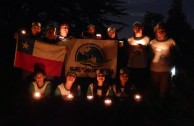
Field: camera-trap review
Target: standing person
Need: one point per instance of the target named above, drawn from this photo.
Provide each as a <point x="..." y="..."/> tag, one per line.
<point x="36" y="31"/>
<point x="138" y="57"/>
<point x="111" y="33"/>
<point x="162" y="49"/>
<point x="64" y="32"/>
<point x="90" y="33"/>
<point x="51" y="37"/>
<point x="69" y="88"/>
<point x="40" y="88"/>
<point x="34" y="34"/>
<point x="50" y="34"/>
<point x="62" y="40"/>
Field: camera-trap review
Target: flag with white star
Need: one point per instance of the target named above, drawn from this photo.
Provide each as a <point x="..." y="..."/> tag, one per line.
<point x="49" y="57"/>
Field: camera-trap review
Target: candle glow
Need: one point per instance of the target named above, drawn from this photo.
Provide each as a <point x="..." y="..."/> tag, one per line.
<point x="108" y="101"/>
<point x="90" y="97"/>
<point x="37" y="95"/>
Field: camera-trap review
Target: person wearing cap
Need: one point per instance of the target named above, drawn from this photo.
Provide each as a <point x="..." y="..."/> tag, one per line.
<point x="123" y="87"/>
<point x="40" y="87"/>
<point x="111" y="33"/>
<point x="90" y="33"/>
<point x="36" y="31"/>
<point x="100" y="88"/>
<point x="162" y="50"/>
<point x="64" y="32"/>
<point x="34" y="34"/>
<point x="50" y="34"/>
<point x="68" y="87"/>
<point x="138" y="57"/>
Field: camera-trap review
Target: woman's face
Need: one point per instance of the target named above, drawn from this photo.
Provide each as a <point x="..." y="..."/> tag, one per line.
<point x="124" y="78"/>
<point x="160" y="34"/>
<point x="100" y="78"/>
<point x="71" y="77"/>
<point x="35" y="29"/>
<point x="111" y="34"/>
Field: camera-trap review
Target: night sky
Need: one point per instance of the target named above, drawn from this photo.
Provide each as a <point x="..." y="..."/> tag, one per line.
<point x="137" y="9"/>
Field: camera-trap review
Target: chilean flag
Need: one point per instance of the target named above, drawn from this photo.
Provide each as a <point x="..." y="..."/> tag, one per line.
<point x="31" y="52"/>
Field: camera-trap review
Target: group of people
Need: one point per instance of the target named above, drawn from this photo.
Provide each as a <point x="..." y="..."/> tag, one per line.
<point x="99" y="89"/>
<point x="148" y="62"/>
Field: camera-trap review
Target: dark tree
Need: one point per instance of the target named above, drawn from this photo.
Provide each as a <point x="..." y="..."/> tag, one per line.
<point x="78" y="13"/>
<point x="150" y="20"/>
<point x="178" y="26"/>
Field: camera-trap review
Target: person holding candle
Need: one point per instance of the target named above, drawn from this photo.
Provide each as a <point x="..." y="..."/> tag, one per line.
<point x="100" y="88"/>
<point x="162" y="48"/>
<point x="69" y="88"/>
<point x="138" y="57"/>
<point x="123" y="87"/>
<point x="40" y="88"/>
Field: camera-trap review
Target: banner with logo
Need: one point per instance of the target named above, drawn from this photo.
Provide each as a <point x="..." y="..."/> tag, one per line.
<point x="85" y="56"/>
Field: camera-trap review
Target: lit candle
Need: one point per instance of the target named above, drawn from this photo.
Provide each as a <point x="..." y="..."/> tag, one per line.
<point x="98" y="36"/>
<point x="70" y="96"/>
<point x="23" y="31"/>
<point x="121" y="43"/>
<point x="37" y="95"/>
<point x="108" y="102"/>
<point x="157" y="55"/>
<point x="90" y="97"/>
<point x="137" y="97"/>
<point x="159" y="49"/>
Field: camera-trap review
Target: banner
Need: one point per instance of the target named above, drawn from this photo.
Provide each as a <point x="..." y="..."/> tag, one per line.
<point x="30" y="53"/>
<point x="87" y="55"/>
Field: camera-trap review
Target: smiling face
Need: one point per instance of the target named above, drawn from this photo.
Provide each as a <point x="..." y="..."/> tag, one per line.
<point x="100" y="77"/>
<point x="160" y="34"/>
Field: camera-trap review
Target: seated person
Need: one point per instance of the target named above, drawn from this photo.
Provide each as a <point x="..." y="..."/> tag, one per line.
<point x="69" y="88"/>
<point x="100" y="88"/>
<point x="123" y="88"/>
<point x="40" y="88"/>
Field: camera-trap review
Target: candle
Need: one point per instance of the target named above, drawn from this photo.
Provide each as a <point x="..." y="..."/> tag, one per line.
<point x="90" y="97"/>
<point x="108" y="102"/>
<point x="37" y="95"/>
<point x="137" y="97"/>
